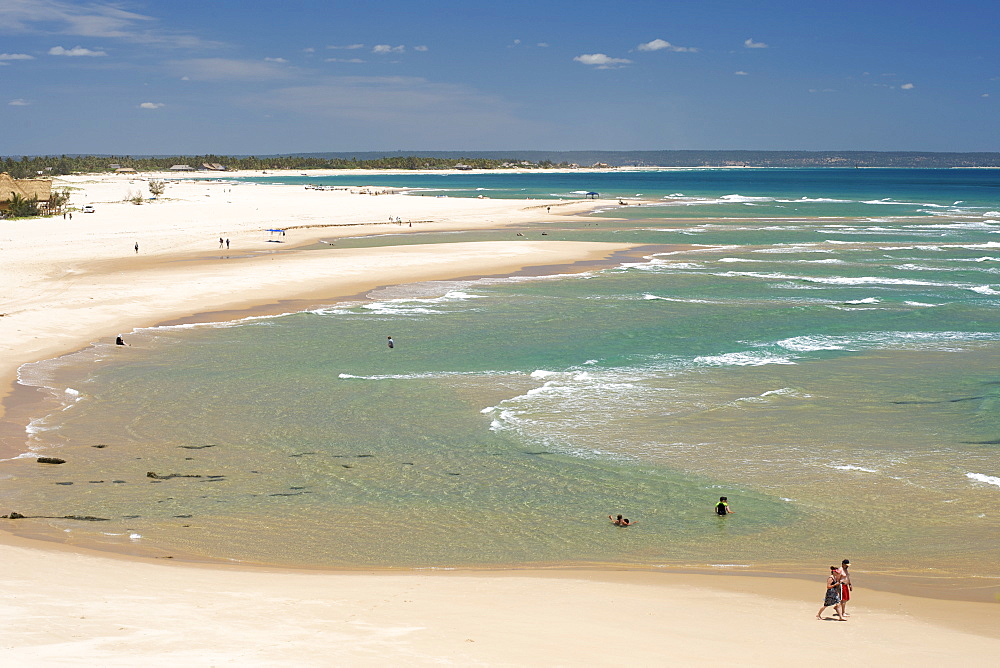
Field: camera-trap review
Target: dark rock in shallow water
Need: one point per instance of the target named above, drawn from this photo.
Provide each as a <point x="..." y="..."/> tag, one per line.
<point x="86" y="518"/>
<point x="99" y="445"/>
<point x="157" y="476"/>
<point x="14" y="516"/>
<point x="50" y="460"/>
<point x="64" y="483"/>
<point x="196" y="447"/>
<point x="118" y="482"/>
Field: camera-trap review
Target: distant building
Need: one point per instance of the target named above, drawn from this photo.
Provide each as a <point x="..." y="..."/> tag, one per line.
<point x="600" y="165"/>
<point x="211" y="167"/>
<point x="124" y="170"/>
<point x="182" y="168"/>
<point x="463" y="167"/>
<point x="41" y="189"/>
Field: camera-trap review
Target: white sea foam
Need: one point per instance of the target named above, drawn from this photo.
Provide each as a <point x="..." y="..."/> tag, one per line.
<point x="832" y="280"/>
<point x="813" y="343"/>
<point x="867" y="300"/>
<point x="980" y="477"/>
<point x="421" y="376"/>
<point x="879" y="340"/>
<point x="984" y="290"/>
<point x="742" y="359"/>
<point x="648" y="296"/>
<point x="851" y="467"/>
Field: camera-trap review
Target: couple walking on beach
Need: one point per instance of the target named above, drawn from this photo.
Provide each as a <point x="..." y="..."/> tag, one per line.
<point x="838" y="591"/>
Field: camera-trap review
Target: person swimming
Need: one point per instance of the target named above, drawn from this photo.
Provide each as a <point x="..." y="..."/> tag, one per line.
<point x="620" y="521"/>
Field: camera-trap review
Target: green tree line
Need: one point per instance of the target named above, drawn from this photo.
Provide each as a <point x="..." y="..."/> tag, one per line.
<point x="31" y="167"/>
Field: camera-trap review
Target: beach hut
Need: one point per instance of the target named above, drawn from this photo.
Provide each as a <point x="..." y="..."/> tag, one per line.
<point x="593" y="195"/>
<point x="41" y="189"/>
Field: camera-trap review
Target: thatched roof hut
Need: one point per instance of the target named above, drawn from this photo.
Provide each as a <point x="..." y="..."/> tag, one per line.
<point x="27" y="188"/>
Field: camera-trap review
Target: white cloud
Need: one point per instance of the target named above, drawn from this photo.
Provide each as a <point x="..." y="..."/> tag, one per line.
<point x="602" y="61"/>
<point x="420" y="48"/>
<point x="907" y="86"/>
<point x="741" y="73"/>
<point x="750" y="44"/>
<point x="15" y="56"/>
<point x="386" y="48"/>
<point x="217" y="69"/>
<point x="659" y="44"/>
<point x="342" y="60"/>
<point x="151" y="105"/>
<point x="347" y="46"/>
<point x="543" y="45"/>
<point x="75" y="51"/>
<point x="104" y="20"/>
<point x="985" y="95"/>
<point x="18" y="103"/>
<point x="275" y="60"/>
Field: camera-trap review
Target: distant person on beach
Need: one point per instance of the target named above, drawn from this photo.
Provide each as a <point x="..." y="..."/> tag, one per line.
<point x="119" y="341"/>
<point x="832" y="594"/>
<point x="391" y="343"/>
<point x="137" y="247"/>
<point x="845" y="586"/>
<point x="221" y="242"/>
<point x="227" y="244"/>
<point x="722" y="507"/>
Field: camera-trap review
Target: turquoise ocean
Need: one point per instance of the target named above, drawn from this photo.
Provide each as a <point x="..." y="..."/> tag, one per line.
<point x="822" y="346"/>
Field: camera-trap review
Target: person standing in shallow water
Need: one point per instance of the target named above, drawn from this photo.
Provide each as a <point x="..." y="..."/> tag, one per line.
<point x="722" y="507"/>
<point x="391" y="344"/>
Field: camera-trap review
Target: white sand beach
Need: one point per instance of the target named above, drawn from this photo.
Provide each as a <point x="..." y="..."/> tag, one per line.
<point x="70" y="282"/>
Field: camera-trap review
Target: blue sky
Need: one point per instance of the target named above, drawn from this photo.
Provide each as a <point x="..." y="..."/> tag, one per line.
<point x="236" y="77"/>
